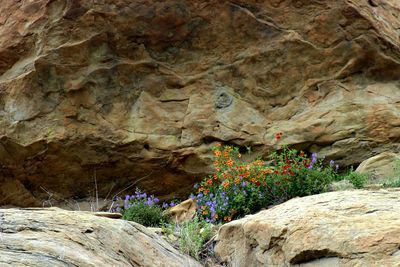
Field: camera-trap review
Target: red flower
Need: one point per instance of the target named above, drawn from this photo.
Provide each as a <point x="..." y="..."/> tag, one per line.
<point x="302" y="154"/>
<point x="278" y="136"/>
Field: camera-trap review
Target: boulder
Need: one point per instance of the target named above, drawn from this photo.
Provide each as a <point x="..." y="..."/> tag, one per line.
<point x="98" y="96"/>
<point x="183" y="212"/>
<point x="349" y="228"/>
<point x="381" y="167"/>
<point x="55" y="237"/>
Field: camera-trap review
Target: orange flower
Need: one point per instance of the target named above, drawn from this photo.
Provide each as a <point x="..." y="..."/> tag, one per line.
<point x="218" y="145"/>
<point x="205" y="212"/>
<point x="215" y="176"/>
<point x="229" y="162"/>
<point x="237" y="181"/>
<point x="209" y="181"/>
<point x="226" y="184"/>
<point x="217" y="153"/>
<point x="203" y="207"/>
<point x="216" y="163"/>
<point x="226" y="154"/>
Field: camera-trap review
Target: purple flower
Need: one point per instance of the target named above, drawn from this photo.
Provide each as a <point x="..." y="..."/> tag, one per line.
<point x="149" y="202"/>
<point x="331" y="163"/>
<point x="165" y="205"/>
<point x="244" y="184"/>
<point x="156" y="200"/>
<point x="126" y="202"/>
<point x="172" y="204"/>
<point x="196" y="186"/>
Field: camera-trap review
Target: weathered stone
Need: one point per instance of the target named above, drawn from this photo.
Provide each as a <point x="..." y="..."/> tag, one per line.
<point x="183" y="212"/>
<point x="96" y="96"/>
<point x="381" y="167"/>
<point x="349" y="228"/>
<point x="55" y="237"/>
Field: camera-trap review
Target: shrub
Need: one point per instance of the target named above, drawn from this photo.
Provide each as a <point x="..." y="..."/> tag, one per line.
<point x="357" y="179"/>
<point x="143" y="209"/>
<point x="239" y="188"/>
<point x="192" y="236"/>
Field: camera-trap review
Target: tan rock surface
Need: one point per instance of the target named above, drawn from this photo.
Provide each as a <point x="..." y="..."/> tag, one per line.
<point x="350" y="228"/>
<point x="119" y="90"/>
<point x="55" y="237"/>
<point x="183" y="212"/>
<point x="380" y="167"/>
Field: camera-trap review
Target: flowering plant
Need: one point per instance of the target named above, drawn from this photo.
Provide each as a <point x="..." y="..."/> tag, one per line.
<point x="142" y="208"/>
<point x="239" y="188"/>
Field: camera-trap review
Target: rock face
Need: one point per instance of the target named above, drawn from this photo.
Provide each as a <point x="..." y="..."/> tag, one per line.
<point x="351" y="228"/>
<point x="54" y="237"/>
<point x="380" y="167"/>
<point x="97" y="95"/>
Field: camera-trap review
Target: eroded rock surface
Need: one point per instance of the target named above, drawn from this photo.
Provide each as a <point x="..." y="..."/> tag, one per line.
<point x="381" y="167"/>
<point x="55" y="237"/>
<point x="349" y="228"/>
<point x="95" y="95"/>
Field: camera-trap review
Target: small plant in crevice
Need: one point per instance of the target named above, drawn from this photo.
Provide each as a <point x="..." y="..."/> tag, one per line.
<point x="143" y="209"/>
<point x="358" y="180"/>
<point x="192" y="236"/>
<point x="394" y="179"/>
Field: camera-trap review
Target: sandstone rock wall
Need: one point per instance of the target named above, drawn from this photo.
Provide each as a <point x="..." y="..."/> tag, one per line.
<point x="116" y="90"/>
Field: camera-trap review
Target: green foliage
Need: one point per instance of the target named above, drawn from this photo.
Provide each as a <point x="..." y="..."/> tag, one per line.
<point x="394" y="180"/>
<point x="143" y="209"/>
<point x="239" y="188"/>
<point x="192" y="236"/>
<point x="151" y="216"/>
<point x="357" y="179"/>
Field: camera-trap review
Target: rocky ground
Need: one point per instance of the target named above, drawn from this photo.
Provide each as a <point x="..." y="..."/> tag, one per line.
<point x="55" y="237"/>
<point x="348" y="228"/>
